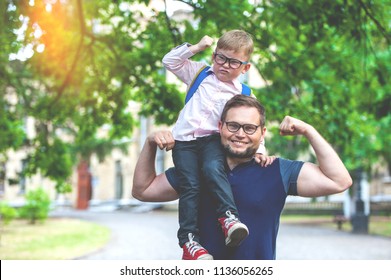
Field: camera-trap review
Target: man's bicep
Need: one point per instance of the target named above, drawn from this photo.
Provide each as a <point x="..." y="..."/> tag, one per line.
<point x="160" y="190"/>
<point x="311" y="182"/>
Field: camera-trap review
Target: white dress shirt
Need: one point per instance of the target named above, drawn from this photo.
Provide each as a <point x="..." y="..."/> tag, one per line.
<point x="201" y="114"/>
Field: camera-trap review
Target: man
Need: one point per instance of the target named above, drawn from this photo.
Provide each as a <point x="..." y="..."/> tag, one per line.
<point x="259" y="191"/>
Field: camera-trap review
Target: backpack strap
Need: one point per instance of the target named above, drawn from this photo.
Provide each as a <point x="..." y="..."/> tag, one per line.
<point x="201" y="75"/>
<point x="246" y="90"/>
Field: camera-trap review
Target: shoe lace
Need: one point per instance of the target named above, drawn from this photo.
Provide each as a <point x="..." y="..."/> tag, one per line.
<point x="193" y="246"/>
<point x="230" y="219"/>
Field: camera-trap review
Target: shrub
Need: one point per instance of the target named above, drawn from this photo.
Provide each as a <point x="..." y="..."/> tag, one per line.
<point x="37" y="206"/>
<point x="7" y="213"/>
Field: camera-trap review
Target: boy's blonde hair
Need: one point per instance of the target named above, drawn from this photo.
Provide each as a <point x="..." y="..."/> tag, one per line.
<point x="237" y="41"/>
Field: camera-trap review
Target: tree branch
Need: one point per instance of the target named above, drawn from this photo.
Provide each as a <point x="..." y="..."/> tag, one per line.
<point x="173" y="30"/>
<point x="377" y="23"/>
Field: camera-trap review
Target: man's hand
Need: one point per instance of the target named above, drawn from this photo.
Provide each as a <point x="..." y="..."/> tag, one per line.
<point x="292" y="126"/>
<point x="263" y="160"/>
<point x="163" y="139"/>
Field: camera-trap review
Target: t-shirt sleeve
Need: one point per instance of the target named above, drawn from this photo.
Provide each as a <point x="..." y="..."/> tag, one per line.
<point x="290" y="170"/>
<point x="172" y="178"/>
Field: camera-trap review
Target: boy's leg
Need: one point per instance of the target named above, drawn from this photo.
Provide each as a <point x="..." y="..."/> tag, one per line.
<point x="185" y="156"/>
<point x="214" y="174"/>
<point x="186" y="164"/>
<point x="213" y="170"/>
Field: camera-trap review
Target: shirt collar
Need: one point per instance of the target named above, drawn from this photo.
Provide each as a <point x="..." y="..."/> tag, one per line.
<point x="240" y="165"/>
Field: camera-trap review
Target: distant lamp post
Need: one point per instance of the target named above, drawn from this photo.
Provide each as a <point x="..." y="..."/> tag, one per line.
<point x="359" y="219"/>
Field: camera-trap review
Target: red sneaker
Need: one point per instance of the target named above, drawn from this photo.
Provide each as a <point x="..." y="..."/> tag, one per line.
<point x="192" y="250"/>
<point x="234" y="231"/>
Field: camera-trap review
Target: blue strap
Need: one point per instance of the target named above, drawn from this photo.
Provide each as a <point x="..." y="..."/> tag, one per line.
<point x="197" y="81"/>
<point x="203" y="73"/>
<point x="246" y="90"/>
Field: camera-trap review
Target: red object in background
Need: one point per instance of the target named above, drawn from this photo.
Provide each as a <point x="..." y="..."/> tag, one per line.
<point x="83" y="186"/>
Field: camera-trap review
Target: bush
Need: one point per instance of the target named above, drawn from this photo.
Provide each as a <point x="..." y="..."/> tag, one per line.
<point x="7" y="213"/>
<point x="37" y="206"/>
<point x="63" y="187"/>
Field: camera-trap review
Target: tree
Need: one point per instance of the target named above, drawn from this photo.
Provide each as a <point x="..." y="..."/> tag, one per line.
<point x="77" y="80"/>
<point x="330" y="63"/>
<point x="11" y="132"/>
<point x="327" y="62"/>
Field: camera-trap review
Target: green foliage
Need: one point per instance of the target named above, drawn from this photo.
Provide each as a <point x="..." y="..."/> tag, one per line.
<point x="37" y="206"/>
<point x="7" y="213"/>
<point x="11" y="131"/>
<point x="326" y="62"/>
<point x="54" y="160"/>
<point x="63" y="187"/>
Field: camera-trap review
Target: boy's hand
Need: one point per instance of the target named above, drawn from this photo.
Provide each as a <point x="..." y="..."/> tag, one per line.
<point x="204" y="43"/>
<point x="263" y="160"/>
<point x="163" y="139"/>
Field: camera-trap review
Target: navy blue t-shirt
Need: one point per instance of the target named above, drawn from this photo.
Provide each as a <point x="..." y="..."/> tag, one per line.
<point x="260" y="194"/>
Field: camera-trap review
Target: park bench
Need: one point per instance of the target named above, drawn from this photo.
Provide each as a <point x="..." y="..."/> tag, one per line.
<point x="340" y="219"/>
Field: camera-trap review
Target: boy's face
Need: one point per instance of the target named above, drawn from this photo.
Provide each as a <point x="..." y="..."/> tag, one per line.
<point x="224" y="72"/>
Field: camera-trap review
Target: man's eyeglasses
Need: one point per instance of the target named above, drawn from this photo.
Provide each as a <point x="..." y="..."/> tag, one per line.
<point x="247" y="128"/>
<point x="232" y="62"/>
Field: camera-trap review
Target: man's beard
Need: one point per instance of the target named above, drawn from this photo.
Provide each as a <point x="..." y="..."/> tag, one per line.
<point x="248" y="153"/>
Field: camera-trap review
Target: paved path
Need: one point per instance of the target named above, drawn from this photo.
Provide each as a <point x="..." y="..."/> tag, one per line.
<point x="151" y="235"/>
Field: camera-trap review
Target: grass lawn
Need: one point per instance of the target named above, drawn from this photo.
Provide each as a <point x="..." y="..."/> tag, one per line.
<point x="377" y="225"/>
<point x="55" y="239"/>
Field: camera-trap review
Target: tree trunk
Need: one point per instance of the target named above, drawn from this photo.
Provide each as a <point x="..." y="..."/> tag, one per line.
<point x="84" y="189"/>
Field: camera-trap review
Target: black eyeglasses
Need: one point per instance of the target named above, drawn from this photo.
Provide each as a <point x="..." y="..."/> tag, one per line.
<point x="247" y="128"/>
<point x="232" y="62"/>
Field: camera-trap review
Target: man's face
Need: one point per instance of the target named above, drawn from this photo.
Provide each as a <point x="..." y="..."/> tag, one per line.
<point x="224" y="72"/>
<point x="239" y="144"/>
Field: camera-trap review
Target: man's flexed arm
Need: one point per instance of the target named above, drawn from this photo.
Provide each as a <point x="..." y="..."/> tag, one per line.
<point x="330" y="176"/>
<point x="147" y="186"/>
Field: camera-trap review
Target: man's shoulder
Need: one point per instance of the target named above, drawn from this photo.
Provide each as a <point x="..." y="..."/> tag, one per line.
<point x="288" y="163"/>
<point x="281" y="164"/>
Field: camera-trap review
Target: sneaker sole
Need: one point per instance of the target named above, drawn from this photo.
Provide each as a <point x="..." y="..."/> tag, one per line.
<point x="205" y="257"/>
<point x="236" y="236"/>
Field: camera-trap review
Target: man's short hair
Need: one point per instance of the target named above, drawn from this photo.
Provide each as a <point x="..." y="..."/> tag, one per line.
<point x="240" y="100"/>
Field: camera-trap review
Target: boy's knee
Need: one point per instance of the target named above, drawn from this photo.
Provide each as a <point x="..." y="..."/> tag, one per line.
<point x="211" y="168"/>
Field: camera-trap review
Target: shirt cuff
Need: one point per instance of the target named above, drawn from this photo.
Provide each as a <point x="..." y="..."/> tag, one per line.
<point x="184" y="44"/>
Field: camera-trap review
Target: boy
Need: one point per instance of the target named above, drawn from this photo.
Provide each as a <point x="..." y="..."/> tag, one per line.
<point x="197" y="152"/>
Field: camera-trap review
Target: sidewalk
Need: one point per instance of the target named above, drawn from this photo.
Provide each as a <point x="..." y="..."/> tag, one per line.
<point x="141" y="233"/>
